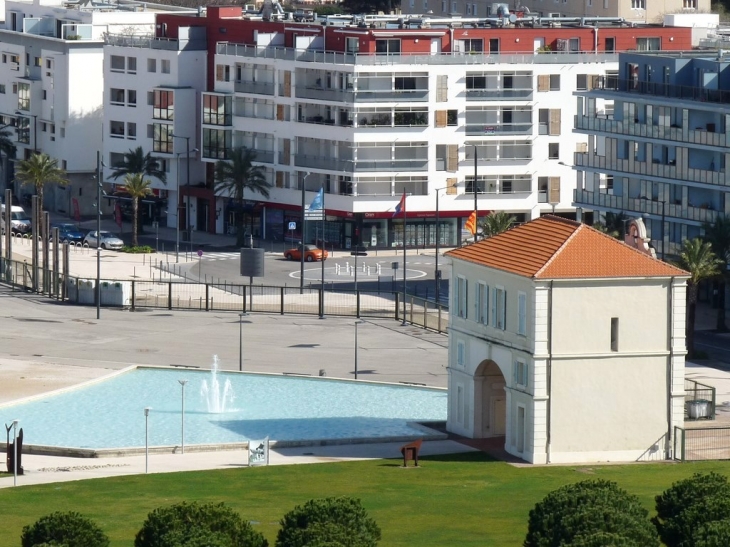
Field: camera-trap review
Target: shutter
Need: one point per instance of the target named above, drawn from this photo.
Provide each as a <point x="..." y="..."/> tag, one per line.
<point x="451" y="186"/>
<point x="593" y="81"/>
<point x="581" y="147"/>
<point x="286" y="152"/>
<point x="442" y="89"/>
<point x="543" y="82"/>
<point x="554" y="121"/>
<point x="287" y="83"/>
<point x="280" y="112"/>
<point x="280" y="179"/>
<point x="554" y="190"/>
<point x="220" y="72"/>
<point x="452" y="160"/>
<point x="441" y="118"/>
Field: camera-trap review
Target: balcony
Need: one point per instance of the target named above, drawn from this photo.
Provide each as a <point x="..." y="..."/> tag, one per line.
<point x="388" y="95"/>
<point x="351" y="166"/>
<point x="264" y="156"/>
<point x="659" y="132"/>
<point x="480" y="129"/>
<point x="258" y="88"/>
<point x="499" y="94"/>
<point x="669" y="91"/>
<point x="329" y="95"/>
<point x="644" y="169"/>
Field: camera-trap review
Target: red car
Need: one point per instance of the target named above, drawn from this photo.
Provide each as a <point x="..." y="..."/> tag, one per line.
<point x="311" y="253"/>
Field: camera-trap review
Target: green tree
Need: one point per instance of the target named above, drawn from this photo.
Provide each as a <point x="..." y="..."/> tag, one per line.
<point x="496" y="222"/>
<point x="328" y="522"/>
<point x="236" y="175"/>
<point x="137" y="187"/>
<point x="64" y="529"/>
<point x="193" y="524"/>
<point x="38" y="170"/>
<point x="136" y="161"/>
<point x="602" y="539"/>
<point x="615" y="224"/>
<point x="713" y="534"/>
<point x="698" y="259"/>
<point x="7" y="146"/>
<point x="676" y="506"/>
<point x="358" y="7"/>
<point x="718" y="235"/>
<point x="588" y="508"/>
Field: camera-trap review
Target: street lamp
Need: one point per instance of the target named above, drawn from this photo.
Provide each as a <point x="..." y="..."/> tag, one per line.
<point x="437" y="273"/>
<point x="356" y="324"/>
<point x="99" y="174"/>
<point x="146" y="440"/>
<point x="182" y="424"/>
<point x="240" y="340"/>
<point x="35" y="126"/>
<point x="664" y="204"/>
<point x="476" y="207"/>
<point x="187" y="202"/>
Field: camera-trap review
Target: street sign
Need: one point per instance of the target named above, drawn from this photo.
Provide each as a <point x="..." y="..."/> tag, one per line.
<point x="292" y="225"/>
<point x="200" y="252"/>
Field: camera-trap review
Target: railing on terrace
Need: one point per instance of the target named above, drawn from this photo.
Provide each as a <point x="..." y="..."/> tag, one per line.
<point x="476" y="129"/>
<point x="672" y="91"/>
<point x="334" y="164"/>
<point x="701" y="443"/>
<point x="259" y="88"/>
<point x="332" y="57"/>
<point x="148" y="42"/>
<point x="496" y="94"/>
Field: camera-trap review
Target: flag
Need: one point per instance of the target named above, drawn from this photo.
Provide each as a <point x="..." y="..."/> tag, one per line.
<point x="401" y="205"/>
<point x="471" y="223"/>
<point x="317" y="201"/>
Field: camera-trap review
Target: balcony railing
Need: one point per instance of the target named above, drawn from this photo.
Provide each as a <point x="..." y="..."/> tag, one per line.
<point x="645" y="169"/>
<point x="351" y="166"/>
<point x="672" y="91"/>
<point x="633" y="129"/>
<point x="330" y="95"/>
<point x="391" y="95"/>
<point x="496" y="94"/>
<point x="264" y="156"/>
<point x="259" y="88"/>
<point x="477" y="129"/>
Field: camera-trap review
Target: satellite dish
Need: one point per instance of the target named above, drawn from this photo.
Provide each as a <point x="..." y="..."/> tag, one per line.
<point x="512" y="18"/>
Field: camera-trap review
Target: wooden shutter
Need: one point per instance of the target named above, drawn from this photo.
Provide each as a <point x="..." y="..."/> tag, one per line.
<point x="592" y="81"/>
<point x="220" y="71"/>
<point x="452" y="158"/>
<point x="451" y="186"/>
<point x="554" y="128"/>
<point x="280" y="112"/>
<point x="543" y="82"/>
<point x="441" y="118"/>
<point x="554" y="190"/>
<point x="280" y="179"/>
<point x="286" y="152"/>
<point x="442" y="88"/>
<point x="581" y="147"/>
<point x="287" y="83"/>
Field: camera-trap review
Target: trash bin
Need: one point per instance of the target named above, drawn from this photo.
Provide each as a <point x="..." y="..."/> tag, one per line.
<point x="699" y="409"/>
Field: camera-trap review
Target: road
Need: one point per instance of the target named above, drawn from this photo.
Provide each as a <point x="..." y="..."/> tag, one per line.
<point x="717" y="346"/>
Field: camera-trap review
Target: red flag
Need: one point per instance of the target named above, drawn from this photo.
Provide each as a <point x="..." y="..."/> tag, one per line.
<point x="401" y="206"/>
<point x="471" y="223"/>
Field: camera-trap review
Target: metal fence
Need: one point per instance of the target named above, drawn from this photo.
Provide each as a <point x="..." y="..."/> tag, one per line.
<point x="180" y="294"/>
<point x="701" y="443"/>
<point x="699" y="401"/>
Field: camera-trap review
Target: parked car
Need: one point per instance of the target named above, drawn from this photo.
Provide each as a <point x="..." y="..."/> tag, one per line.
<point x="68" y="232"/>
<point x="311" y="253"/>
<point x="108" y="240"/>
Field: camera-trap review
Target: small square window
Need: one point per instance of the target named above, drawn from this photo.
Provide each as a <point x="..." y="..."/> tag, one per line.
<point x="2" y="89"/>
<point x="151" y="98"/>
<point x="151" y="65"/>
<point x="165" y="66"/>
<point x="452" y="117"/>
<point x="554" y="151"/>
<point x="614" y="334"/>
<point x="555" y="82"/>
<point x="37" y="62"/>
<point x="44" y="95"/>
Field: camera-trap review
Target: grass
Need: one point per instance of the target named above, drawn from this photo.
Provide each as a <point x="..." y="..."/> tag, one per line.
<point x="463" y="500"/>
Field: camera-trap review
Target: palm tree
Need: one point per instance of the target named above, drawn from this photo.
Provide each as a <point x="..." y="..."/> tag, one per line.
<point x="496" y="222"/>
<point x="136" y="161"/>
<point x="38" y="170"/>
<point x="6" y="145"/>
<point x="615" y="224"/>
<point x="698" y="259"/>
<point x="718" y="235"/>
<point x="237" y="174"/>
<point x="137" y="187"/>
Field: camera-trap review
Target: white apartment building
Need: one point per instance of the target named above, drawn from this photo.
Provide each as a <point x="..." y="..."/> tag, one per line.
<point x="51" y="85"/>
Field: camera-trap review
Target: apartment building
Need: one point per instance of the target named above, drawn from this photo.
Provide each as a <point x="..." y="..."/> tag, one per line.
<point x="51" y="85"/>
<point x="635" y="11"/>
<point x="663" y="153"/>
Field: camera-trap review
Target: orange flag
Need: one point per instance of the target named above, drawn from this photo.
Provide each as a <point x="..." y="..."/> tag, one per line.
<point x="471" y="223"/>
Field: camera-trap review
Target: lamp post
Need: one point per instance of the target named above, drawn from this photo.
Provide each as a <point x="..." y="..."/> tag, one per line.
<point x="182" y="420"/>
<point x="177" y="212"/>
<point x="15" y="452"/>
<point x="146" y="440"/>
<point x="476" y="207"/>
<point x="356" y="324"/>
<point x="187" y="202"/>
<point x="35" y="126"/>
<point x="437" y="273"/>
<point x="99" y="174"/>
<point x="240" y="341"/>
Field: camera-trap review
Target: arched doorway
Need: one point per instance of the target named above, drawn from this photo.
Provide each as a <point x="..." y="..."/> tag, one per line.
<point x="490" y="404"/>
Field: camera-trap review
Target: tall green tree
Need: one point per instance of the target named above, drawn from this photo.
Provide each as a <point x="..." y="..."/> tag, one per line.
<point x="137" y="187"/>
<point x="698" y="259"/>
<point x="136" y="161"/>
<point x="496" y="222"/>
<point x="38" y="171"/>
<point x="7" y="146"/>
<point x="237" y="175"/>
<point x="718" y="235"/>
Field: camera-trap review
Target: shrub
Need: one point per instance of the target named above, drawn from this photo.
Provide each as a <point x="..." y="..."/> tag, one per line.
<point x="140" y="249"/>
<point x="197" y="525"/>
<point x="588" y="508"/>
<point x="712" y="534"/>
<point x="328" y="522"/>
<point x="63" y="529"/>
<point x="689" y="503"/>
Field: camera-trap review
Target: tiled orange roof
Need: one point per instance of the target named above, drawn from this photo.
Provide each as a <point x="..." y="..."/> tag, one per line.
<point x="556" y="248"/>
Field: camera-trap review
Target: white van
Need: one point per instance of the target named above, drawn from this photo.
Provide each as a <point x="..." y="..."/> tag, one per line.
<point x="19" y="221"/>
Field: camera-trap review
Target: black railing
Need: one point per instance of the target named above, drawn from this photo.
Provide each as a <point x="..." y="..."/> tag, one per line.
<point x="693" y="93"/>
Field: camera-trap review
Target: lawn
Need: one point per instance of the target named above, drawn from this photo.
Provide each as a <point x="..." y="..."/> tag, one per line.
<point x="463" y="500"/>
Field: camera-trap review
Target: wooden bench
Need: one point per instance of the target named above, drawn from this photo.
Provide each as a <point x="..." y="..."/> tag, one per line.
<point x="410" y="452"/>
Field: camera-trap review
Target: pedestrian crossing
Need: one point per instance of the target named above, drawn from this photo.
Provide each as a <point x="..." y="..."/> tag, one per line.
<point x="221" y="256"/>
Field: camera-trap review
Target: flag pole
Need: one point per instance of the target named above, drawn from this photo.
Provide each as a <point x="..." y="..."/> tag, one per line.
<point x="476" y="207"/>
<point x="405" y="225"/>
<point x="324" y="250"/>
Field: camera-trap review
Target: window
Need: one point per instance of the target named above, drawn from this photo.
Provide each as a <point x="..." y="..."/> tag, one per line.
<point x="499" y="309"/>
<point x="520" y="373"/>
<point x="23" y="96"/>
<point x="387" y="47"/>
<point x="638" y="4"/>
<point x="45" y="95"/>
<point x="222" y="73"/>
<point x="162" y="138"/>
<point x="117" y="63"/>
<point x="150" y="98"/>
<point x="460" y="353"/>
<point x="522" y="314"/>
<point x="49" y="64"/>
<point x="689" y="4"/>
<point x="132" y="65"/>
<point x="648" y="44"/>
<point x="131" y="97"/>
<point x="555" y="82"/>
<point x="554" y="151"/>
<point x="352" y="45"/>
<point x="151" y="65"/>
<point x="217" y="109"/>
<point x="116" y="129"/>
<point x="474" y="45"/>
<point x="163" y="107"/>
<point x="116" y="159"/>
<point x="216" y="143"/>
<point x="116" y="96"/>
<point x="5" y="58"/>
<point x="482" y="303"/>
<point x="581" y="82"/>
<point x="452" y="117"/>
<point x="23" y="128"/>
<point x="444" y="6"/>
<point x="614" y="334"/>
<point x="37" y="61"/>
<point x="460" y="296"/>
<point x="165" y="66"/>
<point x="2" y="89"/>
<point x="131" y="130"/>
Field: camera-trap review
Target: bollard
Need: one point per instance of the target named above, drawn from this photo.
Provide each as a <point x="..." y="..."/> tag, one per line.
<point x="363" y="267"/>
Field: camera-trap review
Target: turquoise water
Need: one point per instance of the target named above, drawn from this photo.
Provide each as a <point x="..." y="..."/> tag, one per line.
<point x="110" y="414"/>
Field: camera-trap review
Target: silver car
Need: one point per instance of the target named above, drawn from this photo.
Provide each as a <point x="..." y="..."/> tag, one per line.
<point x="107" y="241"/>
